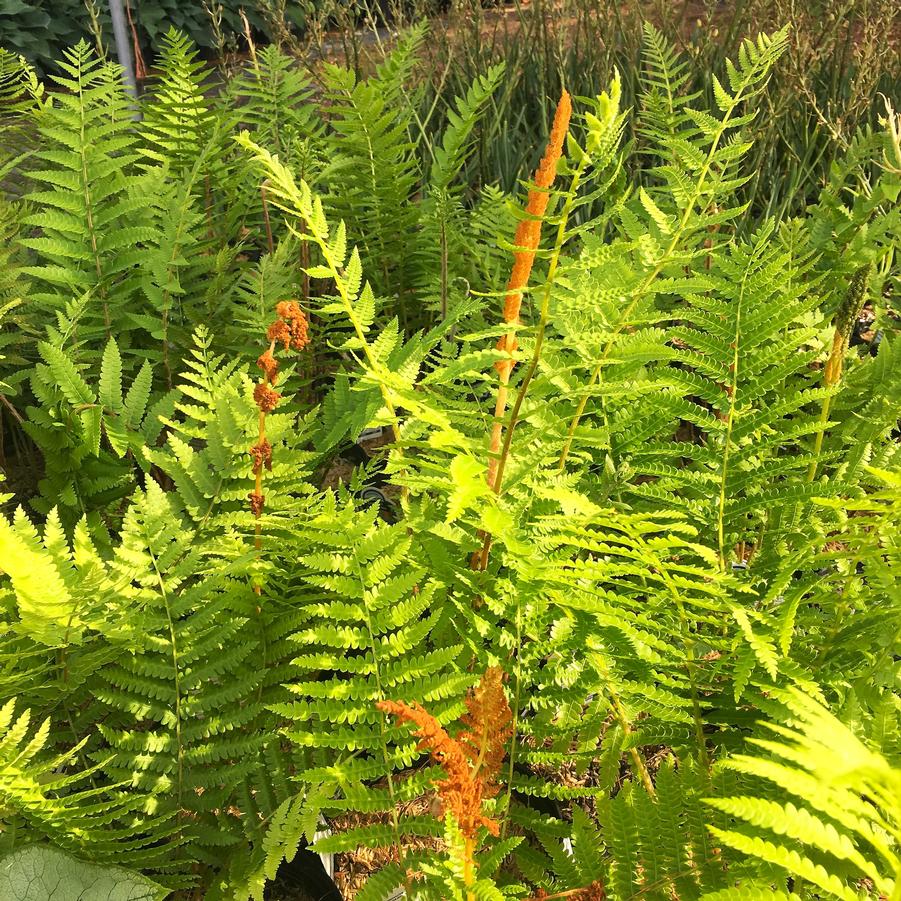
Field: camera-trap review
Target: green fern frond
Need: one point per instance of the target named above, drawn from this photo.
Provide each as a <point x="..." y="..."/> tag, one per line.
<point x="178" y="120"/>
<point x="57" y="805"/>
<point x="87" y="221"/>
<point x="847" y="824"/>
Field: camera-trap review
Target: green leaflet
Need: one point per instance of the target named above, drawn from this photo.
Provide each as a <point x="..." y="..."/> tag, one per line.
<point x="41" y="581"/>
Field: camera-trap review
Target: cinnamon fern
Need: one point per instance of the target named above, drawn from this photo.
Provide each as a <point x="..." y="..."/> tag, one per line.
<point x="642" y="612"/>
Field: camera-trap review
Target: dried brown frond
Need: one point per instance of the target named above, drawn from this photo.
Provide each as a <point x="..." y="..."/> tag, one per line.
<point x="489" y="724"/>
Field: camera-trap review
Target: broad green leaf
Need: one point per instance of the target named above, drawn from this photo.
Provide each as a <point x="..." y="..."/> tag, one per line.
<point x="40" y="873"/>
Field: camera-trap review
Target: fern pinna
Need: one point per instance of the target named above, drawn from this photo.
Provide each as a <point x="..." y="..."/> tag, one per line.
<point x="672" y="671"/>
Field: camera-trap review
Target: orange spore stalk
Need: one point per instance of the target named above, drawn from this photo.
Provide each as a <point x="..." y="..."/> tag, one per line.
<point x="528" y="236"/>
<point x="290" y="328"/>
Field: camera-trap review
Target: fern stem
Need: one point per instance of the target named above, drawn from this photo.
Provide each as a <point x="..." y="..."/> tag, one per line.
<point x="88" y="202"/>
<point x="845" y="318"/>
<point x="258" y="487"/>
<point x="730" y="423"/>
<point x="690" y="659"/>
<point x="443" y="239"/>
<point x="376" y="671"/>
<point x="832" y="373"/>
<point x="569" y="893"/>
<point x="516" y="649"/>
<point x="622" y="718"/>
<point x="208" y="206"/>
<point x="497" y="427"/>
<point x="304" y="265"/>
<point x="172" y="263"/>
<point x="266" y="222"/>
<point x="468" y="867"/>
<point x="176" y="678"/>
<point x="818" y="441"/>
<point x="596" y="371"/>
<point x="381" y="227"/>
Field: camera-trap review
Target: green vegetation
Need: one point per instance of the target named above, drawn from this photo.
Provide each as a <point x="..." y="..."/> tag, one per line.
<point x="840" y="58"/>
<point x="632" y="575"/>
<point x="41" y="30"/>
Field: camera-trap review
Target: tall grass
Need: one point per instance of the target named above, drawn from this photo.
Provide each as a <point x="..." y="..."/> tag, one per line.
<point x="843" y="55"/>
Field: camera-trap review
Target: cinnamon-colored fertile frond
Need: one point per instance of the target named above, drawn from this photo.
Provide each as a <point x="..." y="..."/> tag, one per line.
<point x="279" y="333"/>
<point x="489" y="724"/>
<point x="261" y="454"/>
<point x="291" y="328"/>
<point x="265" y="398"/>
<point x="269" y="365"/>
<point x="459" y="792"/>
<point x="290" y="313"/>
<point x="528" y="232"/>
<point x="472" y="762"/>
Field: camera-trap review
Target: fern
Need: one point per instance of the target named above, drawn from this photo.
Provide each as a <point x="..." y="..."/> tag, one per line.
<point x="275" y="102"/>
<point x="840" y="821"/>
<point x="177" y="121"/>
<point x="40" y="797"/>
<point x="373" y="623"/>
<point x="443" y="211"/>
<point x="82" y="472"/>
<point x="377" y="168"/>
<point x="20" y="89"/>
<point x="692" y="506"/>
<point x="175" y="261"/>
<point x="87" y="220"/>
